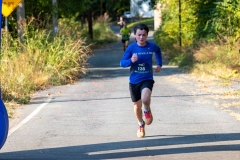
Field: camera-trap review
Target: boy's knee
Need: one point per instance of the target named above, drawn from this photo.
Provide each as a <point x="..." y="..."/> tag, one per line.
<point x="145" y="100"/>
<point x="137" y="105"/>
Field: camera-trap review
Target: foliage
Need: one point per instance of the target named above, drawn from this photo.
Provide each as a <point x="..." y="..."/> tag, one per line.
<point x="219" y="53"/>
<point x="169" y="33"/>
<point x="44" y="60"/>
<point x="101" y="32"/>
<point x="148" y="21"/>
<point x="71" y="8"/>
<point x="42" y="11"/>
<point x="118" y="8"/>
<point x="209" y="34"/>
<point x="201" y="20"/>
<point x="228" y="18"/>
<point x="215" y="17"/>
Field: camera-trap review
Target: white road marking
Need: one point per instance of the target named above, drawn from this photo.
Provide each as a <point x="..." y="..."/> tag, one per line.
<point x="29" y="117"/>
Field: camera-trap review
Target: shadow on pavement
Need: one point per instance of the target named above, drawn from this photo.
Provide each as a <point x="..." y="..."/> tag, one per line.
<point x="145" y="147"/>
<point x="115" y="71"/>
<point x="40" y="100"/>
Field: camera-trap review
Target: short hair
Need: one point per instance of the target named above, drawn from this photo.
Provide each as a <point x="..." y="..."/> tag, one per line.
<point x="141" y="26"/>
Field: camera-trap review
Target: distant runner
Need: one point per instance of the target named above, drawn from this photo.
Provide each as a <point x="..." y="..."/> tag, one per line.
<point x="125" y="32"/>
<point x="138" y="56"/>
<point x="121" y="22"/>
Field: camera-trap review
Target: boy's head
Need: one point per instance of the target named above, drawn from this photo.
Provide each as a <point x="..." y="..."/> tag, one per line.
<point x="141" y="27"/>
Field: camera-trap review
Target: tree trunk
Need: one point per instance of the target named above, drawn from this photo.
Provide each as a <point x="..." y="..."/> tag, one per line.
<point x="55" y="15"/>
<point x="21" y="23"/>
<point x="157" y="16"/>
<point x="90" y="28"/>
<point x="180" y="24"/>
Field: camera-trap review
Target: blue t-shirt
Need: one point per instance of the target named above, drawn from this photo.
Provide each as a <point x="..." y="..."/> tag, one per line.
<point x="142" y="69"/>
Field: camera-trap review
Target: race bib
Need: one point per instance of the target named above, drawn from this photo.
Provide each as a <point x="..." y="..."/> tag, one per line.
<point x="142" y="68"/>
<point x="125" y="36"/>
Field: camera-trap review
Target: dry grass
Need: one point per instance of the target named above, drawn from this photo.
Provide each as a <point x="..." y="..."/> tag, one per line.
<point x="45" y="61"/>
<point x="40" y="61"/>
<point x="218" y="59"/>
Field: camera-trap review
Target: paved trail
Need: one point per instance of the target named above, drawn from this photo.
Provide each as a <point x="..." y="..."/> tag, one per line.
<point x="93" y="119"/>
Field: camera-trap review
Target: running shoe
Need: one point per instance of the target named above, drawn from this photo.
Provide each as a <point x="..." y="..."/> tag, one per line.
<point x="148" y="117"/>
<point x="141" y="130"/>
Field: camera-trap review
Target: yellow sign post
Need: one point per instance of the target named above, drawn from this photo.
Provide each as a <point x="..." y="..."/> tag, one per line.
<point x="8" y="6"/>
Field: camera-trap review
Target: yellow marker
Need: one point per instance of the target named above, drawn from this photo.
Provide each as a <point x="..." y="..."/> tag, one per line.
<point x="8" y="6"/>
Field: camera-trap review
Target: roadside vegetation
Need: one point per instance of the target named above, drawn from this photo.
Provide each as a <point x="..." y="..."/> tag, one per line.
<point x="208" y="45"/>
<point x="209" y="53"/>
<point x="148" y="21"/>
<point x="45" y="59"/>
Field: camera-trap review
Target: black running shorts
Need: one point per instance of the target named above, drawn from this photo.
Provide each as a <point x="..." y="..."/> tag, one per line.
<point x="123" y="41"/>
<point x="136" y="89"/>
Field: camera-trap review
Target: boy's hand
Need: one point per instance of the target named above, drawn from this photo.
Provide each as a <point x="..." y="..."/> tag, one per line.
<point x="158" y="69"/>
<point x="134" y="58"/>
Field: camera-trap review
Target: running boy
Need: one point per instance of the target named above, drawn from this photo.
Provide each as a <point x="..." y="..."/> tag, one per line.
<point x="138" y="56"/>
<point x="125" y="32"/>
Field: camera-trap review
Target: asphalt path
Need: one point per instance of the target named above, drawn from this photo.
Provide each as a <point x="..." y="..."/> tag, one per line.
<point x="93" y="118"/>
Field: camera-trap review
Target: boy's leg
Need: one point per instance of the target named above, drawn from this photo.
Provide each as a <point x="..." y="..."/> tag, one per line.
<point x="124" y="47"/>
<point x="126" y="43"/>
<point x="147" y="87"/>
<point x="123" y="43"/>
<point x="138" y="110"/>
<point x="137" y="103"/>
<point x="146" y="98"/>
<point x="138" y="114"/>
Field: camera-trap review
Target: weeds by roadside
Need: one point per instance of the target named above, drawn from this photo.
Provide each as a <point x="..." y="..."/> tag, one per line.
<point x="43" y="60"/>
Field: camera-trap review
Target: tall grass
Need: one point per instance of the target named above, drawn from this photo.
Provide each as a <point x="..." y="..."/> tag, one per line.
<point x="218" y="59"/>
<point x="40" y="62"/>
<point x="221" y="60"/>
<point x="44" y="60"/>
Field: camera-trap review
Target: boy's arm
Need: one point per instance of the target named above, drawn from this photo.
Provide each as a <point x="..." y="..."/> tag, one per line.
<point x="126" y="59"/>
<point x="158" y="55"/>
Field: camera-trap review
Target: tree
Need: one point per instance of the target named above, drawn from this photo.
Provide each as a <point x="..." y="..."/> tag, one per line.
<point x="55" y="13"/>
<point x="21" y="23"/>
<point x="41" y="10"/>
